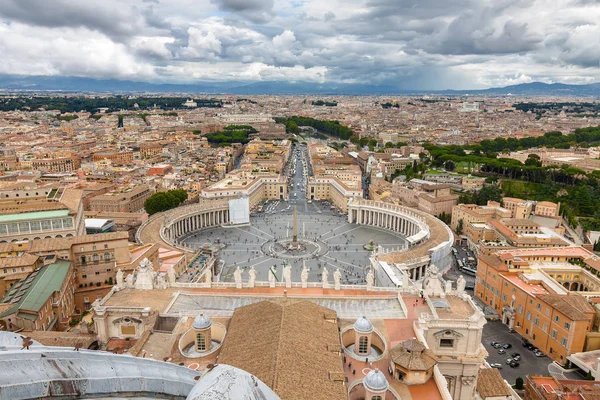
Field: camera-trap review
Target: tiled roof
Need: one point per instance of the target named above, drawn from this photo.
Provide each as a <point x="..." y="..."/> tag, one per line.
<point x="413" y="356"/>
<point x="292" y="346"/>
<point x="574" y="307"/>
<point x="491" y="384"/>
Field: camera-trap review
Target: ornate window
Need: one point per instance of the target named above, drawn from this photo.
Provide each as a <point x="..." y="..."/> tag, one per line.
<point x="446" y="342"/>
<point x="363" y="343"/>
<point x="200" y="342"/>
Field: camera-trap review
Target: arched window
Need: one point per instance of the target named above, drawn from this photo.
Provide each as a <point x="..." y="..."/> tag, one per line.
<point x="106" y="256"/>
<point x="95" y="257"/>
<point x="200" y="342"/>
<point x="83" y="259"/>
<point x="363" y="343"/>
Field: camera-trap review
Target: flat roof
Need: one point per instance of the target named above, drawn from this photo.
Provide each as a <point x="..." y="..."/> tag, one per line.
<point x="33" y="215"/>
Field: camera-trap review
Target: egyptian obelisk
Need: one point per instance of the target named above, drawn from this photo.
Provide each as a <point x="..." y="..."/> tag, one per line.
<point x="295" y="232"/>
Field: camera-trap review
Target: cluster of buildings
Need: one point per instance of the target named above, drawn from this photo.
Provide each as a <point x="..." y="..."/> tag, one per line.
<point x="334" y="177"/>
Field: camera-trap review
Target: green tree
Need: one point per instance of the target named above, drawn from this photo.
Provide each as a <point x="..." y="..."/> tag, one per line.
<point x="489" y="193"/>
<point x="519" y="383"/>
<point x="449" y="165"/>
<point x="533" y="160"/>
<point x="459" y="227"/>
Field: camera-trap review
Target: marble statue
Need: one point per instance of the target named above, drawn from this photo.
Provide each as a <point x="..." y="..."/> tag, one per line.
<point x="161" y="283"/>
<point x="145" y="275"/>
<point x="287" y="275"/>
<point x="129" y="281"/>
<point x="251" y="277"/>
<point x="405" y="280"/>
<point x="171" y="276"/>
<point x="432" y="285"/>
<point x="272" y="277"/>
<point x="120" y="283"/>
<point x="370" y="278"/>
<point x="237" y="276"/>
<point x="460" y="284"/>
<point x="304" y="277"/>
<point x="337" y="277"/>
<point x="448" y="288"/>
<point x="325" y="278"/>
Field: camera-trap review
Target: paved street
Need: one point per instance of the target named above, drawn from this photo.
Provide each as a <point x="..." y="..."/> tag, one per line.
<point x="530" y="364"/>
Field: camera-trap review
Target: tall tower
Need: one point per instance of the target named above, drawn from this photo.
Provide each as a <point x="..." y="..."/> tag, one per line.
<point x="295" y="232"/>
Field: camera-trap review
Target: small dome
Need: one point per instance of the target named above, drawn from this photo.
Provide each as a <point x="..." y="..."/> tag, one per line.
<point x="363" y="325"/>
<point x="375" y="381"/>
<point x="201" y="322"/>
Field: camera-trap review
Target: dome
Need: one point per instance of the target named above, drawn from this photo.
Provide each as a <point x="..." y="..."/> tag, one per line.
<point x="375" y="381"/>
<point x="363" y="325"/>
<point x="201" y="322"/>
<point x="227" y="382"/>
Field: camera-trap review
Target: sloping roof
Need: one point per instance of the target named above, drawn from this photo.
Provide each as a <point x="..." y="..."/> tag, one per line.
<point x="292" y="346"/>
<point x="62" y="339"/>
<point x="574" y="307"/>
<point x="21" y="261"/>
<point x="412" y="355"/>
<point x="491" y="384"/>
<point x="32" y="295"/>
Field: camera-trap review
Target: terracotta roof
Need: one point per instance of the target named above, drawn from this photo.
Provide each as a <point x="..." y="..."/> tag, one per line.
<point x="491" y="384"/>
<point x="21" y="261"/>
<point x="574" y="307"/>
<point x="292" y="346"/>
<point x="412" y="355"/>
<point x="72" y="199"/>
<point x="62" y="339"/>
<point x="43" y="245"/>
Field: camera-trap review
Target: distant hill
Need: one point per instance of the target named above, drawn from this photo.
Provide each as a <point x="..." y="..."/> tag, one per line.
<point x="537" y="89"/>
<point x="77" y="84"/>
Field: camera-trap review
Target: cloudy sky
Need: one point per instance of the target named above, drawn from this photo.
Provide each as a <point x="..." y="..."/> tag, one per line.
<point x="414" y="44"/>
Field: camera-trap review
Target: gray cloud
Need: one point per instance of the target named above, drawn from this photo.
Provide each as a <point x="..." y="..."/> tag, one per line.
<point x="258" y="11"/>
<point x="451" y="43"/>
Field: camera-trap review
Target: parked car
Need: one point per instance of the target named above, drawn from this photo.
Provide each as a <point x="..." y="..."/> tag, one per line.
<point x="513" y="355"/>
<point x="539" y="354"/>
<point x="514" y="364"/>
<point x="501" y="351"/>
<point x="507" y="346"/>
<point x="517" y="358"/>
<point x="496" y="345"/>
<point x="509" y="360"/>
<point x="496" y="365"/>
<point x="525" y="342"/>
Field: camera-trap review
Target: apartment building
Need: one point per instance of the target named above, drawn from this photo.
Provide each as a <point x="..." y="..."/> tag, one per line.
<point x="520" y="209"/>
<point x="242" y="183"/>
<point x="116" y="157"/>
<point x="150" y="149"/>
<point x="127" y="200"/>
<point x="472" y="213"/>
<point x="32" y="215"/>
<point x="433" y="198"/>
<point x="538" y="292"/>
<point x="547" y="209"/>
<point x="41" y="301"/>
<point x="55" y="164"/>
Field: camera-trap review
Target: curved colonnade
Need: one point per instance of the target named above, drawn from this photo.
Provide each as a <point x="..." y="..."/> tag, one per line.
<point x="429" y="239"/>
<point x="183" y="220"/>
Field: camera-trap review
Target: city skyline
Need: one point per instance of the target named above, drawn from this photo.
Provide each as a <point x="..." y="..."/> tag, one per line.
<point x="426" y="45"/>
